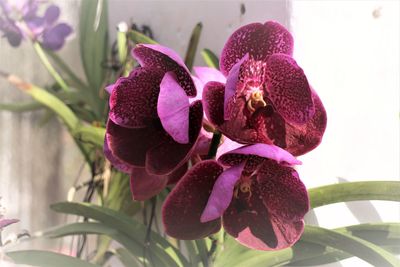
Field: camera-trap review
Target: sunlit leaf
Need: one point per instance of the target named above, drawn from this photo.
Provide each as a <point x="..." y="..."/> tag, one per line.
<point x="140" y="38"/>
<point x="210" y="58"/>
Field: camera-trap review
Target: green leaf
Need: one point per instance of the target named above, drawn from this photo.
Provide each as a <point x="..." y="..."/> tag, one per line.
<point x="202" y="250"/>
<point x="21" y="107"/>
<point x="47" y="259"/>
<point x="210" y="58"/>
<point x="122" y="42"/>
<point x="94" y="41"/>
<point x="140" y="38"/>
<point x="91" y="134"/>
<point x="123" y="223"/>
<point x="373" y="190"/>
<point x="126" y="258"/>
<point x="192" y="47"/>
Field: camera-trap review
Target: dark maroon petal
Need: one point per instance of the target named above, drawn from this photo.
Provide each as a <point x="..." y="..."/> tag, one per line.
<point x="176" y="175"/>
<point x="259" y="40"/>
<point x="288" y="89"/>
<point x="248" y="220"/>
<point x="282" y="191"/>
<point x="131" y="145"/>
<point x="260" y="150"/>
<point x="144" y="185"/>
<point x="173" y="109"/>
<point x="213" y="101"/>
<point x="7" y="222"/>
<point x="133" y="102"/>
<point x="301" y="139"/>
<point x="222" y="193"/>
<point x="162" y="159"/>
<point x="166" y="59"/>
<point x="183" y="207"/>
<point x="116" y="162"/>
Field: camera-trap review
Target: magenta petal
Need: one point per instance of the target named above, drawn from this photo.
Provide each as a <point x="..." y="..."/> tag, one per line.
<point x="207" y="74"/>
<point x="249" y="221"/>
<point x="116" y="162"/>
<point x="109" y="88"/>
<point x="222" y="193"/>
<point x="288" y="89"/>
<point x="162" y="159"/>
<point x="144" y="185"/>
<point x="165" y="59"/>
<point x="7" y="222"/>
<point x="183" y="207"/>
<point x="131" y="145"/>
<point x="303" y="138"/>
<point x="173" y="109"/>
<point x="231" y="86"/>
<point x="259" y="40"/>
<point x="213" y="101"/>
<point x="133" y="102"/>
<point x="262" y="150"/>
<point x="282" y="191"/>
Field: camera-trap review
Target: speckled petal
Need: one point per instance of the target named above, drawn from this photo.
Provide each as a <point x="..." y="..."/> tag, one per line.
<point x="288" y="89"/>
<point x="116" y="162"/>
<point x="222" y="193"/>
<point x="213" y="101"/>
<point x="261" y="150"/>
<point x="162" y="159"/>
<point x="301" y="139"/>
<point x="131" y="145"/>
<point x="144" y="185"/>
<point x="259" y="40"/>
<point x="173" y="109"/>
<point x="133" y="102"/>
<point x="282" y="191"/>
<point x="166" y="59"/>
<point x="183" y="207"/>
<point x="248" y="220"/>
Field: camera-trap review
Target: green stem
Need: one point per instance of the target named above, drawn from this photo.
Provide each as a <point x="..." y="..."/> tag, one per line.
<point x="216" y="139"/>
<point x="49" y="67"/>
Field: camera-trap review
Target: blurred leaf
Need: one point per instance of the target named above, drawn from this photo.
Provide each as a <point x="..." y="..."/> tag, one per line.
<point x="190" y="246"/>
<point x="210" y="58"/>
<point x="74" y="80"/>
<point x="123" y="223"/>
<point x="373" y="190"/>
<point x="122" y="42"/>
<point x="126" y="258"/>
<point x="193" y="44"/>
<point x="47" y="259"/>
<point x="94" y="46"/>
<point x="91" y="134"/>
<point x="140" y="38"/>
<point x="21" y="107"/>
<point x="202" y="251"/>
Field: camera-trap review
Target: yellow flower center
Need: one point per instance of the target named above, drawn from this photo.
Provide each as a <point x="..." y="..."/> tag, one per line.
<point x="255" y="101"/>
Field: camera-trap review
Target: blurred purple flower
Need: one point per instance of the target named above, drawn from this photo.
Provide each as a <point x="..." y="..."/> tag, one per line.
<point x="19" y="19"/>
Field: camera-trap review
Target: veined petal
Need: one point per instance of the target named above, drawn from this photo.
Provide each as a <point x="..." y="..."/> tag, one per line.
<point x="213" y="101"/>
<point x="133" y="102"/>
<point x="259" y="40"/>
<point x="183" y="207"/>
<point x="131" y="145"/>
<point x="116" y="162"/>
<point x="288" y="89"/>
<point x="261" y="150"/>
<point x="282" y="191"/>
<point x="144" y="186"/>
<point x="168" y="155"/>
<point x="249" y="221"/>
<point x="222" y="193"/>
<point x="166" y="59"/>
<point x="303" y="138"/>
<point x="173" y="109"/>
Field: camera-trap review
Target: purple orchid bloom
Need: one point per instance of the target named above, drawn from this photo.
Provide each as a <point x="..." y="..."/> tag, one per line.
<point x="266" y="97"/>
<point x="258" y="196"/>
<point x="19" y="19"/>
<point x="6" y="222"/>
<point x="153" y="128"/>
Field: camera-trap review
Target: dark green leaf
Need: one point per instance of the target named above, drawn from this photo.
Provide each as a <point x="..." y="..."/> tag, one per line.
<point x="47" y="259"/>
<point x="210" y="58"/>
<point x="192" y="47"/>
<point x="140" y="38"/>
<point x="373" y="190"/>
<point x="21" y="107"/>
<point x="126" y="258"/>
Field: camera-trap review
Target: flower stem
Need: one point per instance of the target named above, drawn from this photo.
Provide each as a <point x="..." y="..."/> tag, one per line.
<point x="216" y="139"/>
<point x="49" y="67"/>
